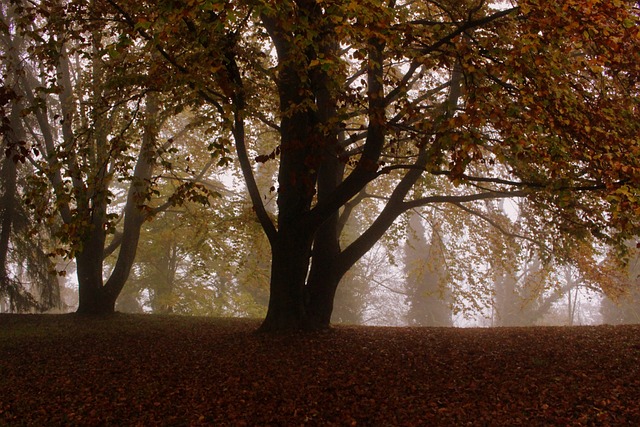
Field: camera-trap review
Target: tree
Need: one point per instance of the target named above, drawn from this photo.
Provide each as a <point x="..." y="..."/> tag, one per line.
<point x="426" y="278"/>
<point x="26" y="273"/>
<point x="522" y="296"/>
<point x="504" y="103"/>
<point x="21" y="249"/>
<point x="92" y="114"/>
<point x="624" y="307"/>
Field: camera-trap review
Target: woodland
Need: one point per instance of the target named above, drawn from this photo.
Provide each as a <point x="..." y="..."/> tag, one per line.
<point x="310" y="162"/>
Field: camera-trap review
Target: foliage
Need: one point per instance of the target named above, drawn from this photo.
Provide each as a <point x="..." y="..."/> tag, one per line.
<point x="187" y="258"/>
<point x="401" y="103"/>
<point x="89" y="106"/>
<point x="217" y="371"/>
<point x="188" y="263"/>
<point x="504" y="103"/>
<point x="27" y="275"/>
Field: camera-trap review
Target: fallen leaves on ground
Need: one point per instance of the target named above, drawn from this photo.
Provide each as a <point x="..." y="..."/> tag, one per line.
<point x="170" y="370"/>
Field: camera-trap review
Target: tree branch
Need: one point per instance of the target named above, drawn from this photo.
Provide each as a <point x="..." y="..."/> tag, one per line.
<point x="209" y="97"/>
<point x="466" y="198"/>
<point x="498" y="227"/>
<point x="468" y="26"/>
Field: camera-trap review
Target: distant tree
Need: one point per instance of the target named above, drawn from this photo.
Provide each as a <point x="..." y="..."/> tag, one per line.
<point x="624" y="307"/>
<point x="351" y="298"/>
<point x="426" y="278"/>
<point x="520" y="273"/>
<point x="254" y="267"/>
<point x="187" y="263"/>
<point x="522" y="297"/>
<point x="622" y="311"/>
<point x="528" y="280"/>
<point x="354" y="292"/>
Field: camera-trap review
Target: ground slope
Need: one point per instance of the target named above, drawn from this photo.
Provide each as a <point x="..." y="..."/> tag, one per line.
<point x="163" y="370"/>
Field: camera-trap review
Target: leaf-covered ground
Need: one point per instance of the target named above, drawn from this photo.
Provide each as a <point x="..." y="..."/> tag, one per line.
<point x="163" y="370"/>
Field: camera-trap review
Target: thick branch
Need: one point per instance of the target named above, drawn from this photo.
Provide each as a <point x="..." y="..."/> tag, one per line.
<point x="241" y="148"/>
<point x="365" y="170"/>
<point x="134" y="214"/>
<point x="247" y="171"/>
<point x="115" y="244"/>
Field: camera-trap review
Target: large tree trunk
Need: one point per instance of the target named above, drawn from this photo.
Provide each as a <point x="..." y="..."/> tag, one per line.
<point x="91" y="295"/>
<point x="289" y="268"/>
<point x="291" y="247"/>
<point x="324" y="277"/>
<point x="309" y="143"/>
<point x="299" y="160"/>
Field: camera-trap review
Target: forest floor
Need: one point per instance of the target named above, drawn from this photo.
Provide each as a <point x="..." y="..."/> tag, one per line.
<point x="168" y="370"/>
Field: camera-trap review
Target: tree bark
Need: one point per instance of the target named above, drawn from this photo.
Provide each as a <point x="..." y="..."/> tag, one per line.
<point x="134" y="213"/>
<point x="323" y="278"/>
<point x="289" y="268"/>
<point x="8" y="174"/>
<point x="330" y="263"/>
<point x="299" y="160"/>
<point x="91" y="295"/>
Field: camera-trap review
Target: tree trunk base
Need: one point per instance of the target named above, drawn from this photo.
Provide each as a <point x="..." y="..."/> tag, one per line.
<point x="98" y="305"/>
<point x="283" y="323"/>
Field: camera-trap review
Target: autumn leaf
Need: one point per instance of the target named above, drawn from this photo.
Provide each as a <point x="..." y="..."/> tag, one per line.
<point x="150" y="370"/>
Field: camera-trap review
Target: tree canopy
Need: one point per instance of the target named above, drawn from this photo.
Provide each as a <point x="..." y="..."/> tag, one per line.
<point x="407" y="103"/>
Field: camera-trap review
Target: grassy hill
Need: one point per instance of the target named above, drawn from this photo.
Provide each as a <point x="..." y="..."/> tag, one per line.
<point x="169" y="370"/>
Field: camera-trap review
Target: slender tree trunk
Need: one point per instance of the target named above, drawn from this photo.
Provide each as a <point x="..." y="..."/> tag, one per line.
<point x="8" y="166"/>
<point x="134" y="213"/>
<point x="7" y="215"/>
